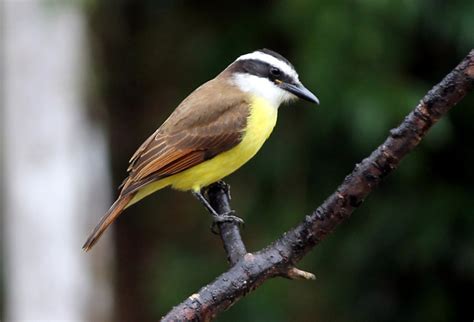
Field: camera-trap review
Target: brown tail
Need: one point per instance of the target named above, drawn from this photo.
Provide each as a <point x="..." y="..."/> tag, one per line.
<point x="114" y="211"/>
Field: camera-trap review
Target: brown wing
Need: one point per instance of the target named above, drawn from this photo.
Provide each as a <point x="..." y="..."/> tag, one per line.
<point x="208" y="122"/>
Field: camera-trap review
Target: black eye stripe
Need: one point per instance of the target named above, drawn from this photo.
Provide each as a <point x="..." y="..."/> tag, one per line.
<point x="255" y="67"/>
<point x="259" y="68"/>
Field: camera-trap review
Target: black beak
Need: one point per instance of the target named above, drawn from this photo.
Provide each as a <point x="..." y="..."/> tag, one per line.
<point x="300" y="91"/>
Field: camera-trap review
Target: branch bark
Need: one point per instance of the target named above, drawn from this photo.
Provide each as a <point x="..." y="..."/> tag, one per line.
<point x="219" y="198"/>
<point x="249" y="270"/>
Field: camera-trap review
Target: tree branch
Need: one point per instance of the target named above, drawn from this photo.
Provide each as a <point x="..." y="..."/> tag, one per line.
<point x="278" y="259"/>
<point x="219" y="198"/>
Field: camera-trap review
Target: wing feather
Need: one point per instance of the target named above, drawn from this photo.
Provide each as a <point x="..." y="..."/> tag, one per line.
<point x="202" y="126"/>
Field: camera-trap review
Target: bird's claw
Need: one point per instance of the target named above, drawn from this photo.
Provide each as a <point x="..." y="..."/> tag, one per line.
<point x="226" y="217"/>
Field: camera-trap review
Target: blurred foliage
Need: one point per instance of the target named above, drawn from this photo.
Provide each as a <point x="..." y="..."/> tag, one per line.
<point x="407" y="254"/>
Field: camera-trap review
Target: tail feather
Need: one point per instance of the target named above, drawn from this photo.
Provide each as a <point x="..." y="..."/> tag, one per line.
<point x="115" y="210"/>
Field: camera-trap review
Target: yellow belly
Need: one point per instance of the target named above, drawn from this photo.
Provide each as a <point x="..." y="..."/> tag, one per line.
<point x="261" y="121"/>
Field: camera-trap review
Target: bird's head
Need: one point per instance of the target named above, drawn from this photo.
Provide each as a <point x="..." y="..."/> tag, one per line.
<point x="265" y="73"/>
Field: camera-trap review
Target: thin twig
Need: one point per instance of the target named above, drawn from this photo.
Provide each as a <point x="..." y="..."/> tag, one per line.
<point x="279" y="258"/>
<point x="219" y="198"/>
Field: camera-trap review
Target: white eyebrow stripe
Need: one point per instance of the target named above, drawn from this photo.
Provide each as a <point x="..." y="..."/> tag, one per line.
<point x="284" y="67"/>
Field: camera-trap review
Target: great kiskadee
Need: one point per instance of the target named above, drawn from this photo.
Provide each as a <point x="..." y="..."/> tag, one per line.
<point x="212" y="133"/>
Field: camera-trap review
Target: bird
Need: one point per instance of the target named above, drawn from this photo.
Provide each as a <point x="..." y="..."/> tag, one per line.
<point x="214" y="131"/>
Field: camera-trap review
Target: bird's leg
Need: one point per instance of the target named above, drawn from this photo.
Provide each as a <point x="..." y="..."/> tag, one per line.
<point x="199" y="196"/>
<point x="218" y="218"/>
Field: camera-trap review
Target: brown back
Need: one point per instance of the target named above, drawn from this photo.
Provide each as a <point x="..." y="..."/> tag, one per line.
<point x="209" y="121"/>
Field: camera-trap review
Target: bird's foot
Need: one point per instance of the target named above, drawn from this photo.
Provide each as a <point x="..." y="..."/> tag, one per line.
<point x="226" y="217"/>
<point x="229" y="216"/>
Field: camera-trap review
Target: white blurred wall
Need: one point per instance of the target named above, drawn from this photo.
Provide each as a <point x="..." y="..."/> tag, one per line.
<point x="54" y="167"/>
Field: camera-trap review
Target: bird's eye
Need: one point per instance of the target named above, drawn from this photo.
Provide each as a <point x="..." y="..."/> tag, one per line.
<point x="275" y="72"/>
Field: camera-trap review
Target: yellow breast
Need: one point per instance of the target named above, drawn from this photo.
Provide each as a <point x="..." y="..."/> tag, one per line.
<point x="261" y="121"/>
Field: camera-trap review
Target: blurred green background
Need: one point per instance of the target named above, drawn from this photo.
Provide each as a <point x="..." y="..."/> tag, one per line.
<point x="406" y="254"/>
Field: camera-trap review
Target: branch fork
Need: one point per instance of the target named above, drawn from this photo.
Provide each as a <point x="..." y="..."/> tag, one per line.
<point x="249" y="270"/>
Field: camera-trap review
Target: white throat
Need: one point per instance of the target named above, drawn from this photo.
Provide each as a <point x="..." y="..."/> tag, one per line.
<point x="262" y="88"/>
